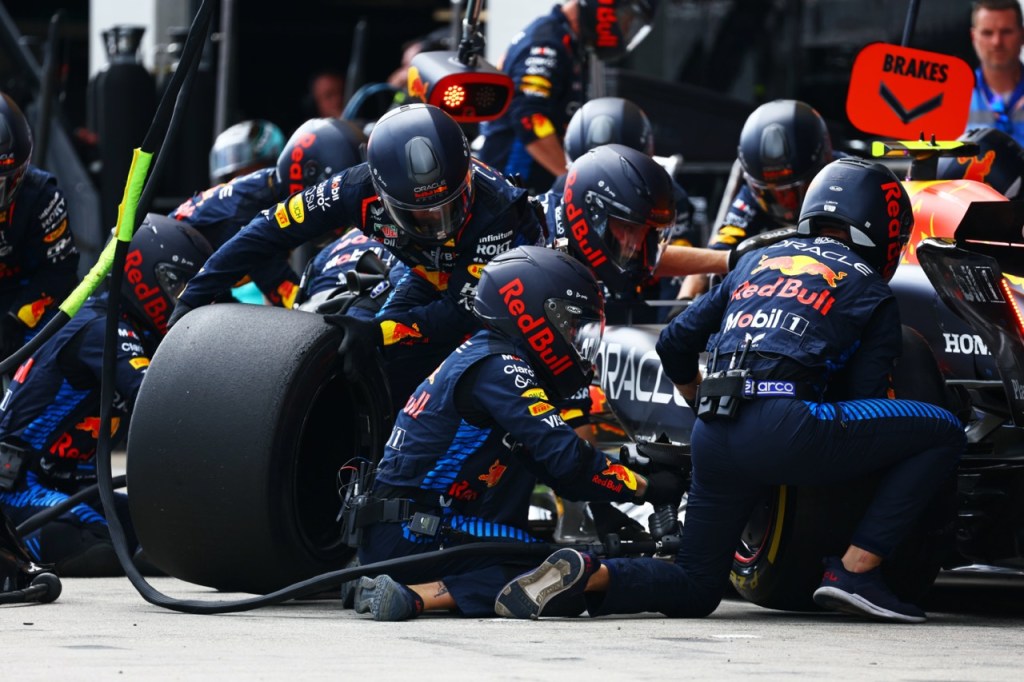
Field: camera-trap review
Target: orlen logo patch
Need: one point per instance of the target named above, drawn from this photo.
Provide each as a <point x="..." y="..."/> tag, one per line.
<point x="799" y="265"/>
<point x="535" y="330"/>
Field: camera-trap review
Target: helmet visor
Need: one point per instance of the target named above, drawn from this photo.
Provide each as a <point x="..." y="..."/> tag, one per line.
<point x="432" y="224"/>
<point x="172" y="278"/>
<point x="9" y="185"/>
<point x="569" y="319"/>
<point x="781" y="201"/>
<point x="631" y="245"/>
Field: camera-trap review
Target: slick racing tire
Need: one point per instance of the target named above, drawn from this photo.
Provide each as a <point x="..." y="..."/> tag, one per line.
<point x="778" y="563"/>
<point x="237" y="442"/>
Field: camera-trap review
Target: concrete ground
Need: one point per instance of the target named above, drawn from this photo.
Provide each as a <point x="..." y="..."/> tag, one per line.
<point x="102" y="629"/>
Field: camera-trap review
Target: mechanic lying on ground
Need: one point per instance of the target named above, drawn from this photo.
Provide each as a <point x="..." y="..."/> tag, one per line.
<point x="50" y="415"/>
<point x="840" y="331"/>
<point x="478" y="434"/>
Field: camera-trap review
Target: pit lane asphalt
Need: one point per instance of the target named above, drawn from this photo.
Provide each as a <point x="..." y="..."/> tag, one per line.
<point x="101" y="629"/>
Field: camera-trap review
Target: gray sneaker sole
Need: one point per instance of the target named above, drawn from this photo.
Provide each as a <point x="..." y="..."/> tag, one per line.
<point x="526" y="596"/>
<point x="840" y="600"/>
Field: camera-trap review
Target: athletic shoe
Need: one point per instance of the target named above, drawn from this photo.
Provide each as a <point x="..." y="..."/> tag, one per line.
<point x="564" y="575"/>
<point x="863" y="594"/>
<point x="386" y="599"/>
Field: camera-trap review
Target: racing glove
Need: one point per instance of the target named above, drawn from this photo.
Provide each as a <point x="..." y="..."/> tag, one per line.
<point x="759" y="241"/>
<point x="664" y="487"/>
<point x="180" y="310"/>
<point x="360" y="340"/>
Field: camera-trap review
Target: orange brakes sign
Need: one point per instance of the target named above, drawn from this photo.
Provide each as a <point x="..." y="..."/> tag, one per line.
<point x="903" y="93"/>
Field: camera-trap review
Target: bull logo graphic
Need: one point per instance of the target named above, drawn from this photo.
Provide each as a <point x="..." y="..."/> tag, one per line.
<point x="799" y="265"/>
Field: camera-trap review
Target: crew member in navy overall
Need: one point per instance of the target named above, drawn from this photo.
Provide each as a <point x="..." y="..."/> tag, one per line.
<point x="440" y="212"/>
<point x="812" y="331"/>
<point x="50" y="415"/>
<point x="547" y="62"/>
<point x="319" y="148"/>
<point x="38" y="257"/>
<point x="783" y="145"/>
<point x="481" y="431"/>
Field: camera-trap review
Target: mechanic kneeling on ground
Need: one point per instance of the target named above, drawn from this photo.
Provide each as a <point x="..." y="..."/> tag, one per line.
<point x="839" y="331"/>
<point x="478" y="434"/>
<point x="50" y="415"/>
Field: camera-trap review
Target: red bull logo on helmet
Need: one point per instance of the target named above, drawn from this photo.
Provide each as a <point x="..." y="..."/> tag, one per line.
<point x="799" y="265"/>
<point x="578" y="225"/>
<point x="606" y="22"/>
<point x="295" y="183"/>
<point x="536" y="330"/>
<point x="152" y="299"/>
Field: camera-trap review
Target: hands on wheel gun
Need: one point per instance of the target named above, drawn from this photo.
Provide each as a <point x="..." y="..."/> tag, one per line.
<point x="666" y="468"/>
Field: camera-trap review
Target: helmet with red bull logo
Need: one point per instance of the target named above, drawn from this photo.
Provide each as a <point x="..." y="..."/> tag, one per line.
<point x="420" y="166"/>
<point x="783" y="145"/>
<point x="869" y="202"/>
<point x="542" y="299"/>
<point x="616" y="202"/>
<point x="164" y="254"/>
<point x="999" y="163"/>
<point x="613" y="28"/>
<point x="15" y="149"/>
<point x="318" y="149"/>
<point x="608" y="120"/>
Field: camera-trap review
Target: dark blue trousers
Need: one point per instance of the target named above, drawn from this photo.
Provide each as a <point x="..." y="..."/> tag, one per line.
<point x="473" y="581"/>
<point x="914" y="446"/>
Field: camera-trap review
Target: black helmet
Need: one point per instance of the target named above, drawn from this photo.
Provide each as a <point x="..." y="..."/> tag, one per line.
<point x="867" y="200"/>
<point x="616" y="199"/>
<point x="1000" y="163"/>
<point x="612" y="28"/>
<point x="608" y="120"/>
<point x="782" y="145"/>
<point x="318" y="149"/>
<point x="247" y="145"/>
<point x="420" y="165"/>
<point x="15" y="149"/>
<point x="541" y="299"/>
<point x="163" y="256"/>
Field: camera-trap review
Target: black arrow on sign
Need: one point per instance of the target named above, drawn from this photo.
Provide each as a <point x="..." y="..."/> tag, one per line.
<point x="917" y="112"/>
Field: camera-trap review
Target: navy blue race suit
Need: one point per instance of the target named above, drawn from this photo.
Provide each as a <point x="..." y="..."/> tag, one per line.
<point x="468" y="447"/>
<point x="546" y="63"/>
<point x="221" y="211"/>
<point x="819" y="320"/>
<point x="428" y="312"/>
<point x="52" y="412"/>
<point x="38" y="257"/>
